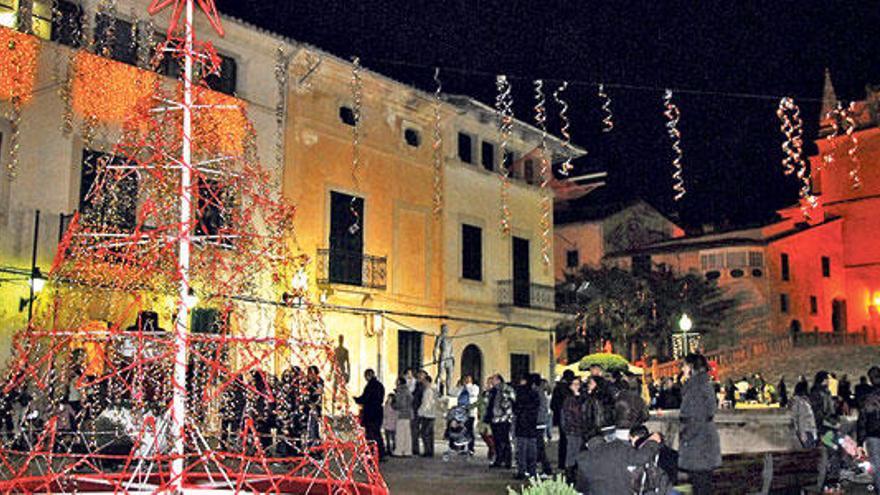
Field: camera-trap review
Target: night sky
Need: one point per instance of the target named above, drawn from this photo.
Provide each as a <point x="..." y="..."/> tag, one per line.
<point x="731" y="144"/>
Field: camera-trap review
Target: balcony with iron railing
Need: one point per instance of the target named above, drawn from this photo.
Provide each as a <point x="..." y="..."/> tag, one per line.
<point x="356" y="269"/>
<point x="524" y="294"/>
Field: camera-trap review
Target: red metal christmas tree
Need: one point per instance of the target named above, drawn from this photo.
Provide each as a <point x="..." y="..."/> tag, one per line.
<point x="180" y="213"/>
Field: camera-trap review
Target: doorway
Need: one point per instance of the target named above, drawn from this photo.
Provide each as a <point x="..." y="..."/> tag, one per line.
<point x="520" y="366"/>
<point x="472" y="363"/>
<point x="838" y="315"/>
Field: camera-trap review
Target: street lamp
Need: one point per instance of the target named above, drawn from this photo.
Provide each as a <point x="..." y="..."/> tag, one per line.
<point x="682" y="339"/>
<point x="191" y="299"/>
<point x="37" y="280"/>
<point x="685" y="323"/>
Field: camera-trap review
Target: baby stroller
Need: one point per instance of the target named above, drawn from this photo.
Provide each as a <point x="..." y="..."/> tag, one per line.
<point x="456" y="432"/>
<point x="849" y="465"/>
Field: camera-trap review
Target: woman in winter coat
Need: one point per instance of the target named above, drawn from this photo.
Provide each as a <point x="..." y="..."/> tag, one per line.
<point x="403" y="404"/>
<point x="573" y="425"/>
<point x="596" y="415"/>
<point x="822" y="402"/>
<point x="802" y="416"/>
<point x="699" y="445"/>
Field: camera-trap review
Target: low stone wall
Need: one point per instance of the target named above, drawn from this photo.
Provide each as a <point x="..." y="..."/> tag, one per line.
<point x="740" y="431"/>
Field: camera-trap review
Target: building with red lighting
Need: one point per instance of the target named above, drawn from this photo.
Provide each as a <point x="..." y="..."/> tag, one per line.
<point x="813" y="273"/>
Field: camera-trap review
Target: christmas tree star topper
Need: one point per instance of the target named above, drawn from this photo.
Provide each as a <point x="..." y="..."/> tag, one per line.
<point x="207" y="6"/>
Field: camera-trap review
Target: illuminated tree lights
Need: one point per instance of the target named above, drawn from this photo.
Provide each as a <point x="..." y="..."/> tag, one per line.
<point x="18" y="68"/>
<point x="107" y="91"/>
<point x="99" y="337"/>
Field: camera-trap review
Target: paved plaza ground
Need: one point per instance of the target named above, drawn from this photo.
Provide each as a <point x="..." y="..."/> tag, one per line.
<point x="458" y="476"/>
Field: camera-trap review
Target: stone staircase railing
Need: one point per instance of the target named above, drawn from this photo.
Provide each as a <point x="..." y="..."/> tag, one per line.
<point x="727" y="356"/>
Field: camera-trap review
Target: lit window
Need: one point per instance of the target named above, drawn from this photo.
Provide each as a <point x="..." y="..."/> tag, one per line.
<point x="736" y="259"/>
<point x="756" y="259"/>
<point x="9" y="13"/>
<point x="41" y="20"/>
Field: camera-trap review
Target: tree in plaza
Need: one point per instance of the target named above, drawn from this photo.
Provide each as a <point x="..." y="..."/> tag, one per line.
<point x="173" y="304"/>
<point x="639" y="313"/>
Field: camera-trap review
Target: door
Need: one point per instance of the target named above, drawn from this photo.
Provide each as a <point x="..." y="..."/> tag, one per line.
<point x="520" y="366"/>
<point x="346" y="239"/>
<point x="521" y="276"/>
<point x="838" y="315"/>
<point x="472" y="363"/>
<point x="409" y="351"/>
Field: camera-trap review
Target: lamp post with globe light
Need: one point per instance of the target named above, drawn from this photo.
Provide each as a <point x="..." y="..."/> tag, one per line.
<point x="681" y="341"/>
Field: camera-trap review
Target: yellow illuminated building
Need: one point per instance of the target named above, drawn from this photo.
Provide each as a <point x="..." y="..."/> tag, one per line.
<point x="386" y="266"/>
<point x="390" y="269"/>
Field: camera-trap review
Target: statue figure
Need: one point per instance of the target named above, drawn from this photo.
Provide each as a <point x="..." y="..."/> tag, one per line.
<point x="445" y="359"/>
<point x="343" y="367"/>
<point x="342" y="364"/>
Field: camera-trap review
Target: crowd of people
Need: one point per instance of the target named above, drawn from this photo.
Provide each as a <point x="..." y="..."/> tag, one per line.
<point x="600" y="419"/>
<point x="285" y="412"/>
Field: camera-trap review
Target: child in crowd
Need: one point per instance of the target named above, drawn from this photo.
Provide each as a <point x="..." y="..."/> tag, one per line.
<point x="389" y="423"/>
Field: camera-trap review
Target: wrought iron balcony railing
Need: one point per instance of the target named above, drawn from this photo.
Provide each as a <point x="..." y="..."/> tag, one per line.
<point x="524" y="294"/>
<point x="336" y="266"/>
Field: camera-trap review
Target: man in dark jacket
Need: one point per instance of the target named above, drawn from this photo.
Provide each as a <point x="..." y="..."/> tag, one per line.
<point x="869" y="423"/>
<point x="557" y="399"/>
<point x="415" y="424"/>
<point x="525" y="410"/>
<point x="605" y="467"/>
<point x="371" y="402"/>
<point x="861" y="391"/>
<point x="822" y="403"/>
<point x="630" y="409"/>
<point x="499" y="414"/>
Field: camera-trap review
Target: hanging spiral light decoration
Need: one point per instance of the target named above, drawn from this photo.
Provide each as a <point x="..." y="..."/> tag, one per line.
<point x="357" y="98"/>
<point x="855" y="165"/>
<point x="566" y="166"/>
<point x="437" y="147"/>
<point x="673" y="114"/>
<point x="608" y="120"/>
<point x="282" y="64"/>
<point x="789" y="115"/>
<point x="793" y="147"/>
<point x="545" y="206"/>
<point x="835" y="117"/>
<point x="504" y="112"/>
